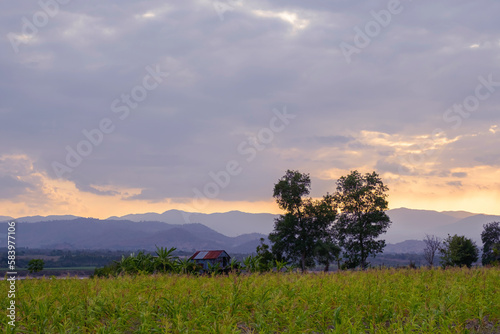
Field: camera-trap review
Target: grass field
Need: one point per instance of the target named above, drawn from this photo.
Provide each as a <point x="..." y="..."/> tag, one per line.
<point x="374" y="301"/>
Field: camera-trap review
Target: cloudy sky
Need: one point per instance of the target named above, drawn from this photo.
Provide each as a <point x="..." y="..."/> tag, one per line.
<point x="116" y="107"/>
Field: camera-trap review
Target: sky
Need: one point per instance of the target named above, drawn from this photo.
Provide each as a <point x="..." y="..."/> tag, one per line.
<point x="116" y="107"/>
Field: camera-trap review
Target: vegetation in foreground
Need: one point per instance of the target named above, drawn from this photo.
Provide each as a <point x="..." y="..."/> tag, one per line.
<point x="382" y="301"/>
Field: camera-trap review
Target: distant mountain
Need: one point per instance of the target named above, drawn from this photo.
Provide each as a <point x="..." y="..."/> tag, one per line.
<point x="471" y="226"/>
<point x="407" y="246"/>
<point x="89" y="233"/>
<point x="459" y="214"/>
<point x="230" y="229"/>
<point x="37" y="219"/>
<point x="414" y="224"/>
<point x="407" y="224"/>
<point x="410" y="224"/>
<point x="231" y="223"/>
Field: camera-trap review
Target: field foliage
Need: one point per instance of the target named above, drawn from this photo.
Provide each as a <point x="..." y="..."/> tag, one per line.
<point x="373" y="301"/>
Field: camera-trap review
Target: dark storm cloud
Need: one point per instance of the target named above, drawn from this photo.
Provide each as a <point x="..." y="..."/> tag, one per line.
<point x="226" y="77"/>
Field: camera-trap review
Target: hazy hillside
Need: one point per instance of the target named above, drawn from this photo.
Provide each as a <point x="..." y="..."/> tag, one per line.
<point x="231" y="223"/>
<point x="407" y="246"/>
<point x="407" y="224"/>
<point x="233" y="230"/>
<point x="88" y="233"/>
<point x="414" y="224"/>
<point x="37" y="219"/>
<point x="459" y="214"/>
<point x="471" y="226"/>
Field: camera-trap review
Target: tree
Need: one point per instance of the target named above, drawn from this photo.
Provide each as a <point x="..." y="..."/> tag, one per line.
<point x="326" y="249"/>
<point x="491" y="243"/>
<point x="362" y="203"/>
<point x="304" y="223"/>
<point x="266" y="258"/>
<point x="35" y="265"/>
<point x="290" y="191"/>
<point x="326" y="252"/>
<point x="432" y="245"/>
<point x="458" y="251"/>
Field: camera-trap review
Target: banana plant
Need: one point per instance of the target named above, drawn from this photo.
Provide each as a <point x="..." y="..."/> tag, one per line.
<point x="186" y="266"/>
<point x="280" y="265"/>
<point x="234" y="265"/>
<point x="214" y="268"/>
<point x="144" y="263"/>
<point x="165" y="261"/>
<point x="252" y="263"/>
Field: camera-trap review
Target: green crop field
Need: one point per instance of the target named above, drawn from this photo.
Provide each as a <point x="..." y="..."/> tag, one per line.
<point x="373" y="301"/>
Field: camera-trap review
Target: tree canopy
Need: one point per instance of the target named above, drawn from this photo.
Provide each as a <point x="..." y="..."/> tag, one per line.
<point x="458" y="251"/>
<point x="305" y="222"/>
<point x="318" y="230"/>
<point x="491" y="243"/>
<point x="362" y="204"/>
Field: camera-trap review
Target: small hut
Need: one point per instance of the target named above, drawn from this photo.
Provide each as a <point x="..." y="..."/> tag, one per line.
<point x="204" y="257"/>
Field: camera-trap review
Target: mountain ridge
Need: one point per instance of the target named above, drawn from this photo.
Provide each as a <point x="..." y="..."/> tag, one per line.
<point x="90" y="233"/>
<point x="407" y="224"/>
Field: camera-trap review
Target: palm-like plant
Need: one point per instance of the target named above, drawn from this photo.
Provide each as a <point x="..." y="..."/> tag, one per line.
<point x="280" y="264"/>
<point x="214" y="268"/>
<point x="165" y="261"/>
<point x="144" y="263"/>
<point x="126" y="264"/>
<point x="186" y="266"/>
<point x="252" y="263"/>
<point x="234" y="264"/>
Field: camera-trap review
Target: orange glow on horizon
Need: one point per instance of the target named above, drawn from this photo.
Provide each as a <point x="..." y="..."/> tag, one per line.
<point x="478" y="192"/>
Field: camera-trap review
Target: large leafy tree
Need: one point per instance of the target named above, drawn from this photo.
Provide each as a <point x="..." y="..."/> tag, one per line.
<point x="305" y="222"/>
<point x="458" y="251"/>
<point x="491" y="243"/>
<point x="362" y="219"/>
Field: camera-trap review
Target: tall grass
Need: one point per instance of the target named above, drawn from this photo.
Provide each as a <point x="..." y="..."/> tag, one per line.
<point x="374" y="301"/>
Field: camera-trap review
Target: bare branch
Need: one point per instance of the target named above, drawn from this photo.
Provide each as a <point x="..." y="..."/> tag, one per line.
<point x="432" y="244"/>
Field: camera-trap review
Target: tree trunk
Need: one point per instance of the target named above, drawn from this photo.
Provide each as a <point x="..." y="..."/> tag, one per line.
<point x="363" y="257"/>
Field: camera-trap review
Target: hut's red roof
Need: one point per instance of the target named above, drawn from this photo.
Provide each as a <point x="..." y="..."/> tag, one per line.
<point x="206" y="255"/>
